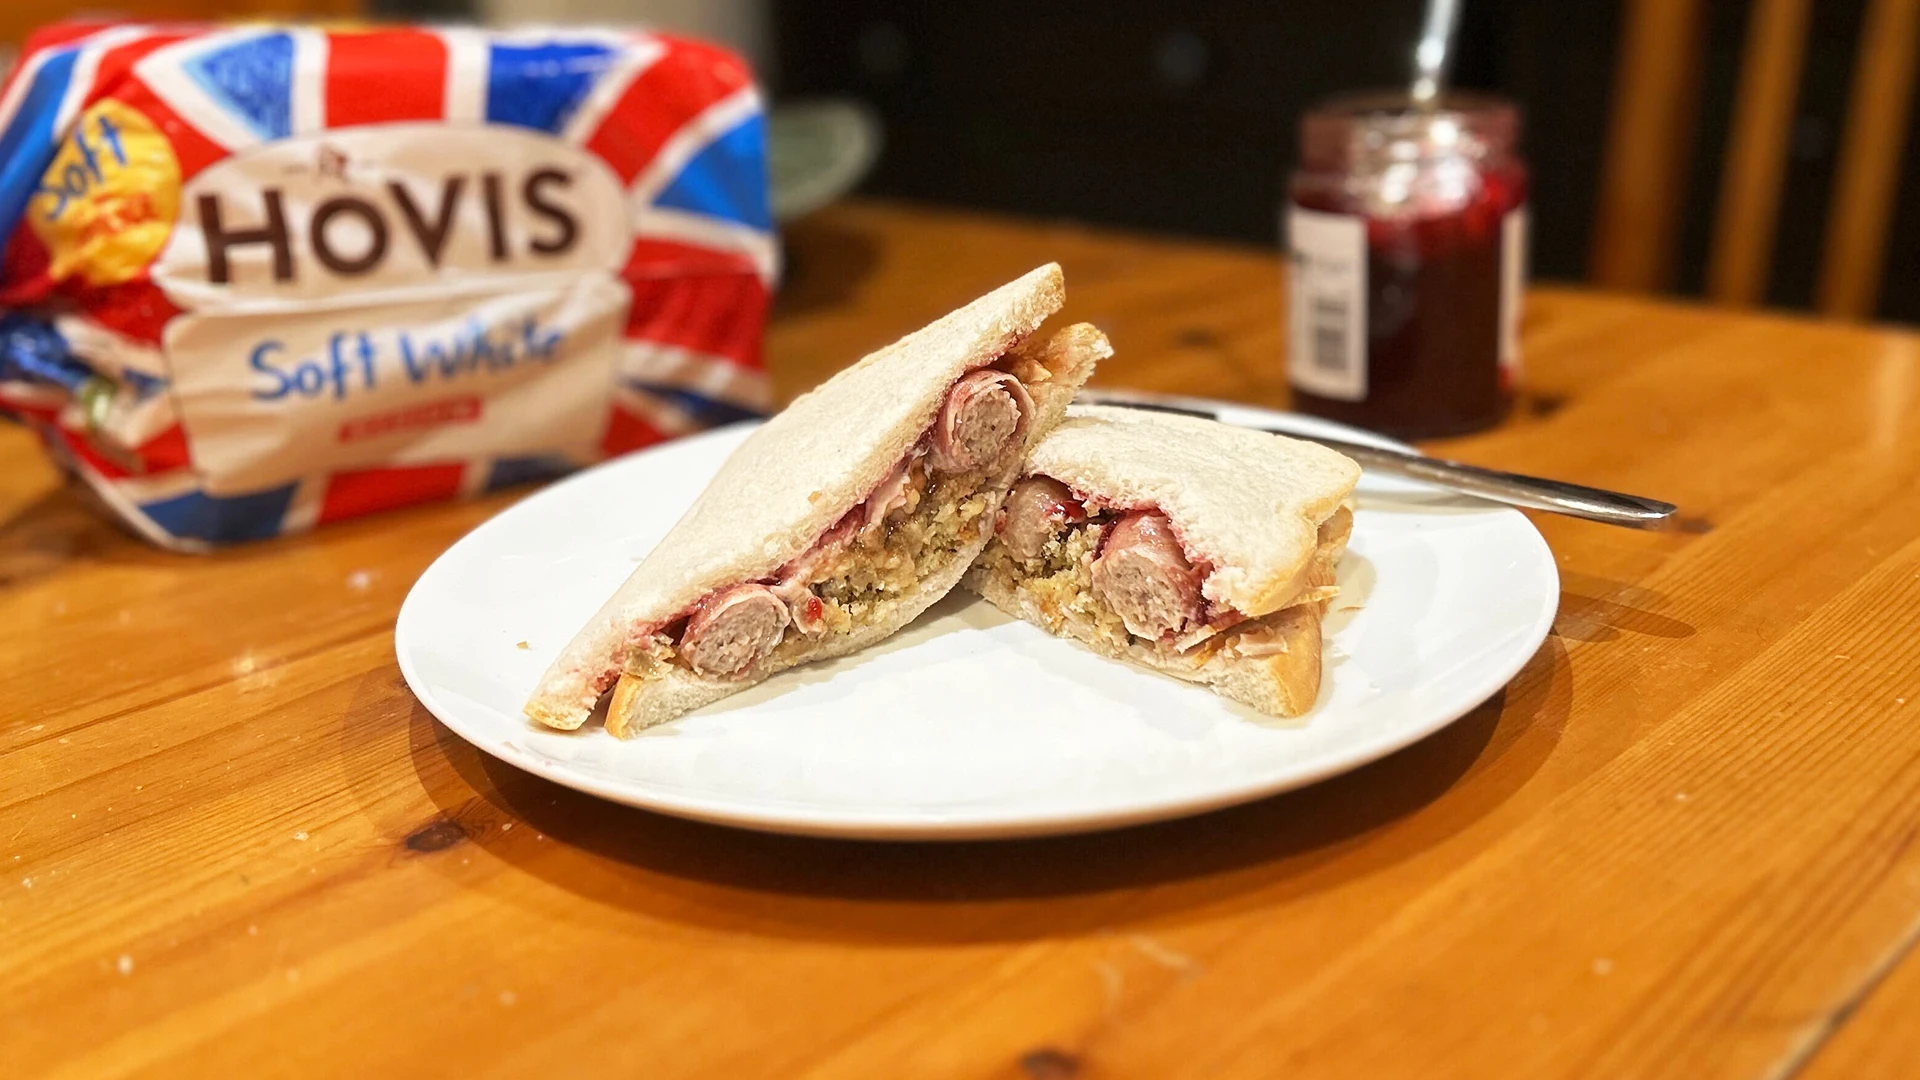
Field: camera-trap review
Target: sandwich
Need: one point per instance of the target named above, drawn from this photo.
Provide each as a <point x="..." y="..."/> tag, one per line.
<point x="836" y="522"/>
<point x="1200" y="550"/>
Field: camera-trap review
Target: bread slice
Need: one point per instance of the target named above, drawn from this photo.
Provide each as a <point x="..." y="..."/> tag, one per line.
<point x="800" y="474"/>
<point x="1247" y="501"/>
<point x="1264" y="517"/>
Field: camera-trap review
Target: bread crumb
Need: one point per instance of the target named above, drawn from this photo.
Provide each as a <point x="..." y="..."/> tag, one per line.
<point x="815" y="496"/>
<point x="359" y="580"/>
<point x="506" y="826"/>
<point x="521" y="645"/>
<point x="301" y="835"/>
<point x="125" y="964"/>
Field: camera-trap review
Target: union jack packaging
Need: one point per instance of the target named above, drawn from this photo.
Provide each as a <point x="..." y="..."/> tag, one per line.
<point x="260" y="278"/>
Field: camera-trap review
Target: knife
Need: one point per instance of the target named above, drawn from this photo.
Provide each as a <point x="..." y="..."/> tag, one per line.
<point x="1513" y="489"/>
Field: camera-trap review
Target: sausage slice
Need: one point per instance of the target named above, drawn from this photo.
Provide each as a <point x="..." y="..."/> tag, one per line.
<point x="1034" y="511"/>
<point x="984" y="416"/>
<point x="1144" y="576"/>
<point x="733" y="628"/>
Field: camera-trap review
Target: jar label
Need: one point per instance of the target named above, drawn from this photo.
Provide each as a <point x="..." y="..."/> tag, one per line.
<point x="1513" y="286"/>
<point x="1327" y="319"/>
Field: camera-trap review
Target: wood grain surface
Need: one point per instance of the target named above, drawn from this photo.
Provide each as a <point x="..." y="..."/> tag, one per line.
<point x="1681" y="843"/>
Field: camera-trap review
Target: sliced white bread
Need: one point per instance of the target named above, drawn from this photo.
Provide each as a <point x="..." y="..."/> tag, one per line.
<point x="1284" y="681"/>
<point x="1248" y="502"/>
<point x="803" y="471"/>
<point x="1266" y="513"/>
<point x="1053" y="371"/>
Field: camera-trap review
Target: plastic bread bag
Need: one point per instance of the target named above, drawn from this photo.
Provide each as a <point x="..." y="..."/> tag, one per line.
<point x="260" y="278"/>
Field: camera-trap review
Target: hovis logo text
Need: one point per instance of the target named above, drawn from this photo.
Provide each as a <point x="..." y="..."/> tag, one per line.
<point x="401" y="210"/>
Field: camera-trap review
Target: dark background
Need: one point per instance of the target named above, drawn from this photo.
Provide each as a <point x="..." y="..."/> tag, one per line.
<point x="1141" y="114"/>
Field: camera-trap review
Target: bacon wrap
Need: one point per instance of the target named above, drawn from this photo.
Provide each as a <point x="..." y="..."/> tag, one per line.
<point x="732" y="629"/>
<point x="986" y="413"/>
<point x="802" y="567"/>
<point x="806" y="610"/>
<point x="1144" y="576"/>
<point x="891" y="493"/>
<point x="1033" y="513"/>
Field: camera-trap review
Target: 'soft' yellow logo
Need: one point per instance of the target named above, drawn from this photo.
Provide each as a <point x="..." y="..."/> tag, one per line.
<point x="107" y="203"/>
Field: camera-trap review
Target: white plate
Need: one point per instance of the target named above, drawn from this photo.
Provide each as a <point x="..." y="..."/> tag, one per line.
<point x="968" y="723"/>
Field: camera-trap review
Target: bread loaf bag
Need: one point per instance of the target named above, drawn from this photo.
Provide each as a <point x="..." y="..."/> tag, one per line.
<point x="260" y="278"/>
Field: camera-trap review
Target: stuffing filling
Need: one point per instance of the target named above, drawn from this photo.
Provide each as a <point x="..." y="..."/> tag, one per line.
<point x="864" y="582"/>
<point x="859" y="575"/>
<point x="1060" y="577"/>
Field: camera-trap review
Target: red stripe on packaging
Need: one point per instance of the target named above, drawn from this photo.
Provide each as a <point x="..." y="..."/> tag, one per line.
<point x="365" y="491"/>
<point x="628" y="431"/>
<point x="383" y="76"/>
<point x="719" y="315"/>
<point x="678" y="87"/>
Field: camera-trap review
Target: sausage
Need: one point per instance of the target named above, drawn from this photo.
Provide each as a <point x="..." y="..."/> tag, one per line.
<point x="1034" y="511"/>
<point x="733" y="628"/>
<point x="985" y="415"/>
<point x="1145" y="577"/>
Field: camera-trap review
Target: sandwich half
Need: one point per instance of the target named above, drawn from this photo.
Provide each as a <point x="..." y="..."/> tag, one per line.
<point x="837" y="521"/>
<point x="1200" y="550"/>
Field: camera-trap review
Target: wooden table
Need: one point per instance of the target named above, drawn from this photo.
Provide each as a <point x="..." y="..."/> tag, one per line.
<point x="1681" y="843"/>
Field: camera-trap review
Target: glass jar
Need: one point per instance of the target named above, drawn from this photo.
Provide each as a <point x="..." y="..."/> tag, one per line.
<point x="1407" y="228"/>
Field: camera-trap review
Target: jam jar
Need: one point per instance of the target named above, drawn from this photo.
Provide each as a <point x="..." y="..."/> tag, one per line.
<point x="1407" y="230"/>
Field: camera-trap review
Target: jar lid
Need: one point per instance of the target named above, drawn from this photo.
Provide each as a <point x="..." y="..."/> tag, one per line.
<point x="1389" y="124"/>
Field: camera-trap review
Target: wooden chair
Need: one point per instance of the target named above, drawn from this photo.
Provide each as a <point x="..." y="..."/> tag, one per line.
<point x="1653" y="131"/>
